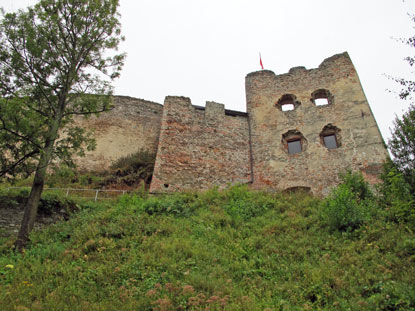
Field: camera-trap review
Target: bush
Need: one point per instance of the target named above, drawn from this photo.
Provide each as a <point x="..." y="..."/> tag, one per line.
<point x="13" y="198"/>
<point x="89" y="179"/>
<point x="134" y="161"/>
<point x="357" y="184"/>
<point x="62" y="175"/>
<point x="402" y="211"/>
<point x="396" y="196"/>
<point x="49" y="203"/>
<point x="341" y="210"/>
<point x="349" y="205"/>
<point x="132" y="170"/>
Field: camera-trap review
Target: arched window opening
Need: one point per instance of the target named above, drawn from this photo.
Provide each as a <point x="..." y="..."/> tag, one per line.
<point x="298" y="189"/>
<point x="321" y="101"/>
<point x="294" y="142"/>
<point x="287" y="107"/>
<point x="330" y="137"/>
<point x="321" y="97"/>
<point x="287" y="102"/>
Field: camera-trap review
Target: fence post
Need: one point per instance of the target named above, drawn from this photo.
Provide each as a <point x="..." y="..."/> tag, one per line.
<point x="96" y="195"/>
<point x="67" y="192"/>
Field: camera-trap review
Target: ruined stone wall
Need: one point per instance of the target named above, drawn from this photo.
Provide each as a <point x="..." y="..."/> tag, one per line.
<point x="200" y="147"/>
<point x="348" y="115"/>
<point x="130" y="125"/>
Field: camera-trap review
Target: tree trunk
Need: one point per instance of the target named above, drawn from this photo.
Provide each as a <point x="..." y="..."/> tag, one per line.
<point x="32" y="204"/>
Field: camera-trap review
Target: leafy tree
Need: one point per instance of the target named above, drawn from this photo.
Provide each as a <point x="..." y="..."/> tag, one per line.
<point x="402" y="142"/>
<point x="408" y="86"/>
<point x="398" y="187"/>
<point x="53" y="57"/>
<point x="402" y="145"/>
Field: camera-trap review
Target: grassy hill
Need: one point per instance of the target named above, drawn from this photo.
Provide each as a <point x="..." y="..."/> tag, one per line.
<point x="229" y="250"/>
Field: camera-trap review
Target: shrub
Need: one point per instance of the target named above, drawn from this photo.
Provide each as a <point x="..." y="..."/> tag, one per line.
<point x="402" y="211"/>
<point x="132" y="170"/>
<point x="394" y="185"/>
<point x="13" y="198"/>
<point x="341" y="210"/>
<point x="349" y="205"/>
<point x="53" y="203"/>
<point x="89" y="179"/>
<point x="356" y="183"/>
<point x="61" y="175"/>
<point x="396" y="196"/>
<point x="134" y="160"/>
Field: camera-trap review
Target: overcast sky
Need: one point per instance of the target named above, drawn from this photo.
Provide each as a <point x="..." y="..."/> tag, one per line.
<point x="203" y="49"/>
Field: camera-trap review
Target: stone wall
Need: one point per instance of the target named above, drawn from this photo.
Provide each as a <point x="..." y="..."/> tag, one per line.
<point x="347" y="115"/>
<point x="130" y="125"/>
<point x="200" y="147"/>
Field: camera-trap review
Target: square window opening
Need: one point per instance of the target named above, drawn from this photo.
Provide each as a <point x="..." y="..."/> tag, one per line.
<point x="330" y="141"/>
<point x="294" y="146"/>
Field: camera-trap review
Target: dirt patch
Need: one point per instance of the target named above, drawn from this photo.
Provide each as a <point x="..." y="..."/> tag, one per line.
<point x="51" y="210"/>
<point x="11" y="218"/>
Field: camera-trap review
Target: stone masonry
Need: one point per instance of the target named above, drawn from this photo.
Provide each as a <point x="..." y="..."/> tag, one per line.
<point x="301" y="130"/>
<point x="131" y="125"/>
<point x="201" y="147"/>
<point x="346" y="116"/>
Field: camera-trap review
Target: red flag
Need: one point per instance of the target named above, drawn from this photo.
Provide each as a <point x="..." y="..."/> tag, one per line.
<point x="260" y="61"/>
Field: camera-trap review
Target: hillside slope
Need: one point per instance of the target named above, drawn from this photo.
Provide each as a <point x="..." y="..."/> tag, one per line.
<point x="231" y="250"/>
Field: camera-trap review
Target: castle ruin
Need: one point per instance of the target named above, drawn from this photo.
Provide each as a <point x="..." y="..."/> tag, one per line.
<point x="301" y="129"/>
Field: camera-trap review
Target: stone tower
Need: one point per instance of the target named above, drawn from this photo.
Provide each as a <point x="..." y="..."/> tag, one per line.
<point x="307" y="126"/>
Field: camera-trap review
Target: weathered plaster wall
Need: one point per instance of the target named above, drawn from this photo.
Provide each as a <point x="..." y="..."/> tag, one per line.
<point x="316" y="167"/>
<point x="200" y="147"/>
<point x="132" y="124"/>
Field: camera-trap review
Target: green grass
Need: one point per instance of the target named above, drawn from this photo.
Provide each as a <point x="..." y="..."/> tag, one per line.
<point x="230" y="250"/>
